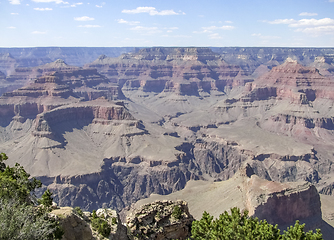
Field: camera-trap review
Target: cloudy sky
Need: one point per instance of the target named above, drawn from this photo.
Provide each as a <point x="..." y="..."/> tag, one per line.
<point x="145" y="23"/>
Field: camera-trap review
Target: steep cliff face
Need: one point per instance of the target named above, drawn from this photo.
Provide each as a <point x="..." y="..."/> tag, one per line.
<point x="187" y="115"/>
<point x="296" y="83"/>
<point x="278" y="203"/>
<point x="186" y="71"/>
<point x="282" y="203"/>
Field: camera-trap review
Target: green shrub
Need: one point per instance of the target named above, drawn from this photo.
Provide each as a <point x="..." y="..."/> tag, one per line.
<point x="23" y="221"/>
<point x="101" y="226"/>
<point x="94" y="215"/>
<point x="46" y="199"/>
<point x="177" y="212"/>
<point x="19" y="219"/>
<point x="114" y="221"/>
<point x="78" y="211"/>
<point x="239" y="226"/>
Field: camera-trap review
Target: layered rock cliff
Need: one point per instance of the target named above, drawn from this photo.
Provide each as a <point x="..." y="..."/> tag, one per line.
<point x="278" y="203"/>
<point x="187" y="71"/>
<point x="186" y="115"/>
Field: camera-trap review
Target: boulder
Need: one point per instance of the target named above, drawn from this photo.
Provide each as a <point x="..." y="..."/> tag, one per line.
<point x="161" y="220"/>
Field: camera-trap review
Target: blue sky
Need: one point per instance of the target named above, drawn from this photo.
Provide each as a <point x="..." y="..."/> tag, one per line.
<point x="145" y="23"/>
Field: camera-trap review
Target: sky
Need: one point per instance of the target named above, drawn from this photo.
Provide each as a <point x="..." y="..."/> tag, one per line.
<point x="184" y="23"/>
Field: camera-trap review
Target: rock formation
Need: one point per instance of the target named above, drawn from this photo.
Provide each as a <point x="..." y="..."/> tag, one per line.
<point x="161" y="220"/>
<point x="74" y="226"/>
<point x="187" y="71"/>
<point x="78" y="56"/>
<point x="79" y="227"/>
<point x="278" y="203"/>
<point x="186" y="114"/>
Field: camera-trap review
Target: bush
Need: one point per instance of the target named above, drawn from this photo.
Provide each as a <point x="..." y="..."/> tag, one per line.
<point x="46" y="199"/>
<point x="177" y="212"/>
<point x="78" y="211"/>
<point x="19" y="219"/>
<point x="240" y="226"/>
<point x="100" y="225"/>
<point x="15" y="183"/>
<point x="22" y="221"/>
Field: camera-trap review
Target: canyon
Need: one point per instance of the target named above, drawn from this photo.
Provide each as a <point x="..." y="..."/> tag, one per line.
<point x="109" y="131"/>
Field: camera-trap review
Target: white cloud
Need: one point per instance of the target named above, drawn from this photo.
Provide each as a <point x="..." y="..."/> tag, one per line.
<point x="311" y="26"/>
<point x="76" y="4"/>
<point x="146" y="30"/>
<point x="84" y="18"/>
<point x="177" y="36"/>
<point x="308" y="14"/>
<point x="211" y="28"/>
<point x="282" y="21"/>
<point x="229" y="22"/>
<point x="11" y="27"/>
<point x="151" y="11"/>
<point x="122" y="21"/>
<point x="14" y="14"/>
<point x="49" y="1"/>
<point x="38" y="32"/>
<point x="259" y="35"/>
<point x="43" y="9"/>
<point x="331" y="1"/>
<point x="214" y="28"/>
<point x="15" y="2"/>
<point x="313" y="22"/>
<point x="215" y="36"/>
<point x="316" y="31"/>
<point x="304" y="22"/>
<point x="100" y="6"/>
<point x="171" y="29"/>
<point x="89" y="26"/>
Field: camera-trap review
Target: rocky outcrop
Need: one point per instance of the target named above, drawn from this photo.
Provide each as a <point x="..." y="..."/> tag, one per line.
<point x="278" y="203"/>
<point x="294" y="82"/>
<point x="79" y="227"/>
<point x="281" y="203"/>
<point x="74" y="226"/>
<point x="118" y="230"/>
<point x="161" y="220"/>
<point x="64" y="81"/>
<point x="102" y="111"/>
<point x="186" y="71"/>
<point x="59" y="79"/>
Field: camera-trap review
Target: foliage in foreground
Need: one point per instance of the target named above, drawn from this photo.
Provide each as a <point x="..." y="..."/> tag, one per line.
<point x="100" y="225"/>
<point x="239" y="226"/>
<point x="15" y="182"/>
<point x="22" y="221"/>
<point x="19" y="218"/>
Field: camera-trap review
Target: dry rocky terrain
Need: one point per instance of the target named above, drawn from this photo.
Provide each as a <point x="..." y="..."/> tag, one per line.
<point x="118" y="129"/>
